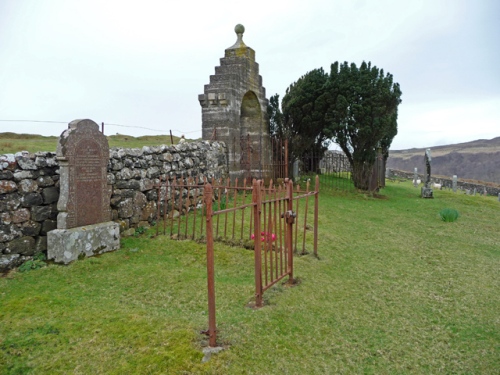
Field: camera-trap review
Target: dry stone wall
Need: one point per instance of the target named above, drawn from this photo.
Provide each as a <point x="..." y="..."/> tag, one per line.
<point x="29" y="190"/>
<point x="447" y="183"/>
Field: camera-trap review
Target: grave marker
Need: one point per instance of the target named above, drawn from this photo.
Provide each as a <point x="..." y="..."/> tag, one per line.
<point x="83" y="222"/>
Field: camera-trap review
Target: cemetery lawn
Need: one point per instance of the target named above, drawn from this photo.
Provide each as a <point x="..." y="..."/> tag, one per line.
<point x="395" y="291"/>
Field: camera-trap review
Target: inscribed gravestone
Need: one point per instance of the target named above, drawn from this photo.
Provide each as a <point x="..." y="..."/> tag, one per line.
<point x="83" y="153"/>
<point x="83" y="222"/>
<point x="426" y="190"/>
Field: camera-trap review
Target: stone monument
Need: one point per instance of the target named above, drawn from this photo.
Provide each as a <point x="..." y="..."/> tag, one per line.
<point x="454" y="183"/>
<point x="426" y="189"/>
<point x="234" y="110"/>
<point x="84" y="226"/>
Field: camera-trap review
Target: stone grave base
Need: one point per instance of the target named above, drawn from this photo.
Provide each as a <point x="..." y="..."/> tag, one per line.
<point x="427" y="192"/>
<point x="67" y="245"/>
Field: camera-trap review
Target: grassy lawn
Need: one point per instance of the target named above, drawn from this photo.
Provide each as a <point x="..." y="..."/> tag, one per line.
<point x="11" y="142"/>
<point x="394" y="291"/>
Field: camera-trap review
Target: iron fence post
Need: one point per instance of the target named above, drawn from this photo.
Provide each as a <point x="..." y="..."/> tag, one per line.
<point x="316" y="212"/>
<point x="289" y="232"/>
<point x="210" y="267"/>
<point x="256" y="200"/>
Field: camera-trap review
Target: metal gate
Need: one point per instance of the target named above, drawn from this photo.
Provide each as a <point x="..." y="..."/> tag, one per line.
<point x="274" y="238"/>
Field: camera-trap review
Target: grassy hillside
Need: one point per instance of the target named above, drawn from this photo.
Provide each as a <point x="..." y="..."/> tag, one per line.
<point x="12" y="142"/>
<point x="476" y="160"/>
<point x="395" y="291"/>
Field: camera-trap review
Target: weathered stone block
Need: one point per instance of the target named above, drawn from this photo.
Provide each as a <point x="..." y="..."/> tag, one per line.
<point x="145" y="184"/>
<point x="10" y="261"/>
<point x="149" y="211"/>
<point x="9" y="233"/>
<point x="40" y="244"/>
<point x="8" y="162"/>
<point x="25" y="162"/>
<point x="50" y="195"/>
<point x="10" y="202"/>
<point x="20" y="216"/>
<point x="41" y="213"/>
<point x="31" y="199"/>
<point x="31" y="228"/>
<point x="6" y="175"/>
<point x="45" y="181"/>
<point x="128" y="184"/>
<point x="126" y="208"/>
<point x="47" y="226"/>
<point x="67" y="245"/>
<point x="7" y="187"/>
<point x="27" y="186"/>
<point x="24" y="245"/>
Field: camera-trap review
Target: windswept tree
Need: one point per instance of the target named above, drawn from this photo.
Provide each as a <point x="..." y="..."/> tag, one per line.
<point x="361" y="115"/>
<point x="304" y="108"/>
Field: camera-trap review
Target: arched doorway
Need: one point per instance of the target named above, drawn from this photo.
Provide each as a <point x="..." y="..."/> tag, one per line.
<point x="251" y="130"/>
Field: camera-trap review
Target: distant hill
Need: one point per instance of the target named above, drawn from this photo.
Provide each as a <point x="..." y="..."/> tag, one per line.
<point x="476" y="160"/>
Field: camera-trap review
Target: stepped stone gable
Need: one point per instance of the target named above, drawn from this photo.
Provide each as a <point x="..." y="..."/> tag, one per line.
<point x="83" y="153"/>
<point x="234" y="110"/>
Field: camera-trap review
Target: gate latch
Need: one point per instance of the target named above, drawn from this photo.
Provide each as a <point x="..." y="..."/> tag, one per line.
<point x="289" y="216"/>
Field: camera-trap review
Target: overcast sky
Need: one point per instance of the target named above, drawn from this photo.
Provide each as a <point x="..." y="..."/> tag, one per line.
<point x="142" y="64"/>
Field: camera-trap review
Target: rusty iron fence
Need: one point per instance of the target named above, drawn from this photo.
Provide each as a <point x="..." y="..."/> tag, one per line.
<point x="273" y="220"/>
<point x="180" y="209"/>
<point x="334" y="168"/>
<point x="251" y="159"/>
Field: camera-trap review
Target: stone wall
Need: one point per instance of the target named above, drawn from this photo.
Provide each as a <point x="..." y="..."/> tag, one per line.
<point x="29" y="190"/>
<point x="447" y="182"/>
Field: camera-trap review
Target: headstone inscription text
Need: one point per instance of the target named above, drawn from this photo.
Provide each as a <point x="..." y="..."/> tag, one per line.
<point x="88" y="179"/>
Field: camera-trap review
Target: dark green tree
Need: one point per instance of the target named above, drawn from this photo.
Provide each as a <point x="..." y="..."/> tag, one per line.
<point x="304" y="125"/>
<point x="275" y="117"/>
<point x="361" y="115"/>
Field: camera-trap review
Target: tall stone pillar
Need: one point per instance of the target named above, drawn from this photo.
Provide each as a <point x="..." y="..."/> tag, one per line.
<point x="234" y="110"/>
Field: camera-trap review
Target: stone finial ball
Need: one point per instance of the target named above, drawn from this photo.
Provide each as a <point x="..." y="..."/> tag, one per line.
<point x="239" y="29"/>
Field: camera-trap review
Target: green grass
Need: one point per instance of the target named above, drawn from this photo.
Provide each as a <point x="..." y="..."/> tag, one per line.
<point x="395" y="291"/>
<point x="11" y="142"/>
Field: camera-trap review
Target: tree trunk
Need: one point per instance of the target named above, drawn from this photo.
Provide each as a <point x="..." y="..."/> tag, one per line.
<point x="361" y="173"/>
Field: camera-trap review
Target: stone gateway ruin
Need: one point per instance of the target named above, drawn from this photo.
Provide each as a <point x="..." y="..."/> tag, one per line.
<point x="84" y="225"/>
<point x="234" y="110"/>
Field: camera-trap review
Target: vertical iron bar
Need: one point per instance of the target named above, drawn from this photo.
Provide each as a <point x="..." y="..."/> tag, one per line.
<point x="158" y="191"/>
<point x="281" y="229"/>
<point x="290" y="232"/>
<point x="188" y="203"/>
<point x="297" y="216"/>
<point x="243" y="211"/>
<point x="305" y="218"/>
<point x="212" y="332"/>
<point x="172" y="193"/>
<point x="165" y="205"/>
<point x="194" y="210"/>
<point x="235" y="197"/>
<point x="181" y="190"/>
<point x="256" y="200"/>
<point x="275" y="230"/>
<point x="263" y="189"/>
<point x="316" y="212"/>
<point x="227" y="206"/>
